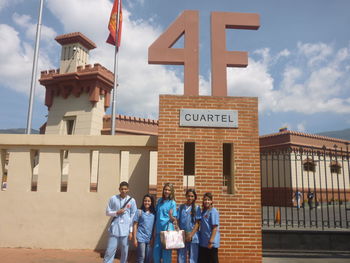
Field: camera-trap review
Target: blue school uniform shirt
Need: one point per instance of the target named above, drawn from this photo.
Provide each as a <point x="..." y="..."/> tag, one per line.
<point x="186" y="222"/>
<point x="162" y="215"/>
<point x="145" y="226"/>
<point x="122" y="224"/>
<point x="209" y="219"/>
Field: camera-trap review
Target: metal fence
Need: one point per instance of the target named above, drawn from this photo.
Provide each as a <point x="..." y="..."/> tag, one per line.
<point x="306" y="188"/>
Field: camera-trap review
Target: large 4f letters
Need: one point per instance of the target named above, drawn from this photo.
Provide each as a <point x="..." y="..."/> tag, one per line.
<point x="160" y="52"/>
<point x="187" y="24"/>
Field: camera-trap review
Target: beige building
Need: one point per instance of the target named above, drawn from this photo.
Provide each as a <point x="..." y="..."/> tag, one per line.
<point x="294" y="162"/>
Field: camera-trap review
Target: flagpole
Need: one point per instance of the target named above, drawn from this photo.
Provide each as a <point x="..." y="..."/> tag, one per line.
<point x="34" y="70"/>
<point x="114" y="94"/>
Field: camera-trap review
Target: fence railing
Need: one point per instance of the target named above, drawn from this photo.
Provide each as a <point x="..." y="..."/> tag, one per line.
<point x="306" y="188"/>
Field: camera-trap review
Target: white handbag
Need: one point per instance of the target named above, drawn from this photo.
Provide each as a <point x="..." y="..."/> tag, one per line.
<point x="172" y="239"/>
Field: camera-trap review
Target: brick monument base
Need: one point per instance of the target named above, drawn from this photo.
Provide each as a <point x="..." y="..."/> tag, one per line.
<point x="237" y="194"/>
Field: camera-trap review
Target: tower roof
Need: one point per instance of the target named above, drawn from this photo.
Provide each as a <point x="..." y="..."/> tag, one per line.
<point x="76" y="37"/>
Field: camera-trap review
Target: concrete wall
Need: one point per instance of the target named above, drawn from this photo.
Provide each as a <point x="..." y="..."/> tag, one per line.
<point x="88" y="117"/>
<point x="71" y="59"/>
<point x="50" y="218"/>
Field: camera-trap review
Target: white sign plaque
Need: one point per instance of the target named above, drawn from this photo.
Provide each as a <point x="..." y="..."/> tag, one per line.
<point x="209" y="118"/>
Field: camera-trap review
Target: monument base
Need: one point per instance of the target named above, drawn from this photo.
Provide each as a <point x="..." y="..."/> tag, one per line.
<point x="223" y="161"/>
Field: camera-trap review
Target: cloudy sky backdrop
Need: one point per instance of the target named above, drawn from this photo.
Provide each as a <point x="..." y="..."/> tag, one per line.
<point x="299" y="59"/>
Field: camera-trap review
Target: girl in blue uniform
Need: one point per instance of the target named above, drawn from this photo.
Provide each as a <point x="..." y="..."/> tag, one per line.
<point x="209" y="235"/>
<point x="165" y="220"/>
<point x="143" y="229"/>
<point x="189" y="215"/>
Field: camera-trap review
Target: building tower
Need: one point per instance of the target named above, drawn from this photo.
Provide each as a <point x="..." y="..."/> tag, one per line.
<point x="77" y="94"/>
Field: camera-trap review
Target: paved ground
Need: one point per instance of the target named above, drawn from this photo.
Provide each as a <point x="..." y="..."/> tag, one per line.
<point x="306" y="257"/>
<point x="306" y="260"/>
<point x="23" y="255"/>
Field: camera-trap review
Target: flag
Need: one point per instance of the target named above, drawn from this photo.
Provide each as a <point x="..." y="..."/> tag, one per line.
<point x="112" y="25"/>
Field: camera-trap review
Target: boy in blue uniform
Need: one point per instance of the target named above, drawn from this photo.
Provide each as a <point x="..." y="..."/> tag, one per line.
<point x="122" y="209"/>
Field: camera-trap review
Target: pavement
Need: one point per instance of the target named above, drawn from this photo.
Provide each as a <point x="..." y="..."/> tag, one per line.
<point x="299" y="257"/>
<point x="26" y="255"/>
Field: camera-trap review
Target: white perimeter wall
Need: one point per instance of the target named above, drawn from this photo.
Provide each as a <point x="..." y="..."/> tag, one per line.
<point x="49" y="218"/>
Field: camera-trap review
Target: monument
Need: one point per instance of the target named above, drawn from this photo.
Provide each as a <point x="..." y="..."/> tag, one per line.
<point x="211" y="143"/>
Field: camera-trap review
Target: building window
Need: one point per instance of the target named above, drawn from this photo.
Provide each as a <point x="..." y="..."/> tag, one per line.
<point x="4" y="161"/>
<point x="335" y="167"/>
<point x="189" y="158"/>
<point x="227" y="166"/>
<point x="69" y="125"/>
<point x="309" y="165"/>
<point x="35" y="169"/>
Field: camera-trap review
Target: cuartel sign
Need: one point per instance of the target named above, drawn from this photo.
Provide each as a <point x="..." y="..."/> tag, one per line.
<point x="209" y="118"/>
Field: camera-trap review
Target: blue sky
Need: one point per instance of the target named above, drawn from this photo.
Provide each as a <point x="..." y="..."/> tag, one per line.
<point x="299" y="59"/>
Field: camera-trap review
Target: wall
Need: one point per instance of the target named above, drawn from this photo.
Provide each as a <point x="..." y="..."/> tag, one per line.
<point x="89" y="117"/>
<point x="71" y="59"/>
<point x="240" y="212"/>
<point x="49" y="218"/>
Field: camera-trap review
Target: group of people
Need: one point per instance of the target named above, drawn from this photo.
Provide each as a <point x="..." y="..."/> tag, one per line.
<point x="310" y="199"/>
<point x="144" y="225"/>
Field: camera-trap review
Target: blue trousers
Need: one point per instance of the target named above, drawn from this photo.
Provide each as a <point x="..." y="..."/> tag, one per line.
<point x="113" y="243"/>
<point x="144" y="252"/>
<point x="160" y="253"/>
<point x="190" y="249"/>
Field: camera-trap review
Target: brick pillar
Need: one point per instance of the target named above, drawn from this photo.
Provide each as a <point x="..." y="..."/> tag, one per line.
<point x="240" y="212"/>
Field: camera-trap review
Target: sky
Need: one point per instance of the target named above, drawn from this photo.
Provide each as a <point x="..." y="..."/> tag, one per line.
<point x="299" y="59"/>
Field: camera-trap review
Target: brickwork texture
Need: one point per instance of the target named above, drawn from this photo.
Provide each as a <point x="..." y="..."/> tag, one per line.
<point x="240" y="212"/>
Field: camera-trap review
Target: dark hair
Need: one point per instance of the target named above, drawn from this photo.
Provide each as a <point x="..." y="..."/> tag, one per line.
<point x="123" y="184"/>
<point x="151" y="208"/>
<point x="172" y="194"/>
<point x="193" y="210"/>
<point x="209" y="195"/>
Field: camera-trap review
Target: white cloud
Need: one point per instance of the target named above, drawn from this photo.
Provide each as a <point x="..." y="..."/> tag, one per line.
<point x="204" y="86"/>
<point x="16" y="60"/>
<point x="315" y="53"/>
<point x="255" y="80"/>
<point x="301" y="127"/>
<point x="24" y="22"/>
<point x="6" y="3"/>
<point x="284" y="53"/>
<point x="132" y="3"/>
<point x="315" y="79"/>
<point x="89" y="17"/>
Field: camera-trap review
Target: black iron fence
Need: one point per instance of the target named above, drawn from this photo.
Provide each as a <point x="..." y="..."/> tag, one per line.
<point x="306" y="188"/>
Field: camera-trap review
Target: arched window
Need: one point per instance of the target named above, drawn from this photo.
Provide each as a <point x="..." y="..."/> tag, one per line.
<point x="335" y="167"/>
<point x="309" y="165"/>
